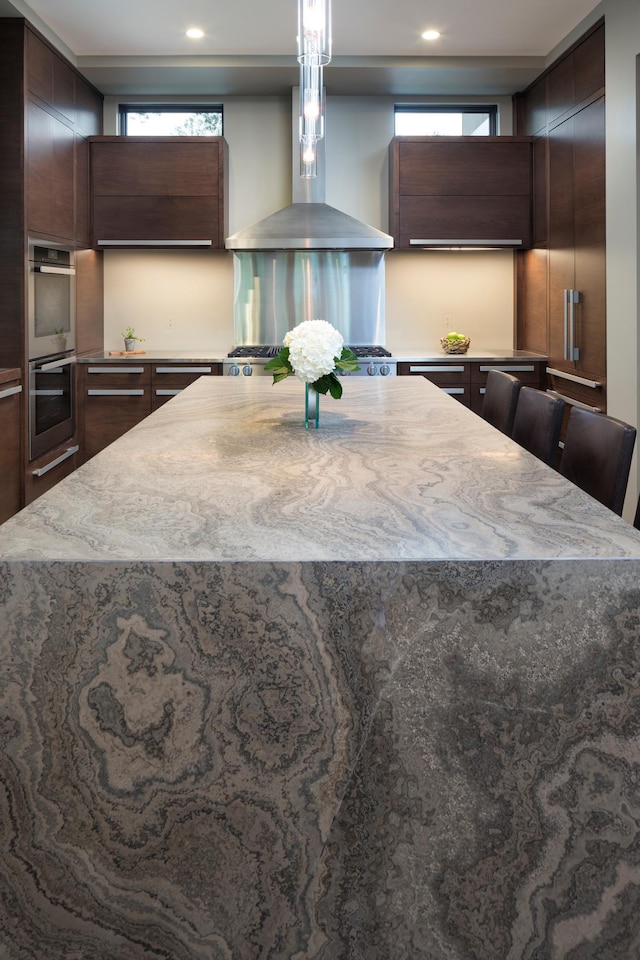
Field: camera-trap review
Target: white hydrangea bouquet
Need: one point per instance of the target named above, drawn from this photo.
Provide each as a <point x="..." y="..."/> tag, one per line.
<point x="314" y="351"/>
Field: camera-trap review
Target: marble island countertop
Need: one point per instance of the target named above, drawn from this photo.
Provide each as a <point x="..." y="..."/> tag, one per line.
<point x="369" y="691"/>
<point x="397" y="471"/>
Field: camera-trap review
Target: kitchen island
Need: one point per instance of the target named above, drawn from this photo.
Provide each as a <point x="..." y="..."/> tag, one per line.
<point x="368" y="691"/>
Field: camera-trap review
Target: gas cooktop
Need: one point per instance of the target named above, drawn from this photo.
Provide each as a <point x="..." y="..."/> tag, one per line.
<point x="258" y="352"/>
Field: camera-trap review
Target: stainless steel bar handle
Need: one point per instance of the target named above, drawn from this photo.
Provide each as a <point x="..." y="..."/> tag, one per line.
<point x="63" y="271"/>
<point x="115" y="393"/>
<point x="436" y="368"/>
<point x="574" y="403"/>
<point x="508" y="368"/>
<point x="54" y="364"/>
<point x="574" y="379"/>
<point x="114" y="369"/>
<point x="574" y="297"/>
<point x="9" y="392"/>
<point x="565" y="296"/>
<point x="183" y="370"/>
<point x="167" y="393"/>
<point x="69" y="452"/>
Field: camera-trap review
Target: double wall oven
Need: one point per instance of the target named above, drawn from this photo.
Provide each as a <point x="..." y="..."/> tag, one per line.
<point x="51" y="326"/>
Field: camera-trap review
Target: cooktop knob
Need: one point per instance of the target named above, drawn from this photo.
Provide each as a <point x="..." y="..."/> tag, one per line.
<point x="234" y="370"/>
<point x="372" y="370"/>
<point x="385" y="369"/>
<point x="247" y="370"/>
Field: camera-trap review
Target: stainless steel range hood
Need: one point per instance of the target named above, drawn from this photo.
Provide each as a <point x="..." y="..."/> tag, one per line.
<point x="308" y="223"/>
<point x="309" y="226"/>
<point x="308" y="261"/>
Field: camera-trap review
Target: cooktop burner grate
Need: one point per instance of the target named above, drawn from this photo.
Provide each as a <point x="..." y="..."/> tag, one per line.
<point x="271" y="351"/>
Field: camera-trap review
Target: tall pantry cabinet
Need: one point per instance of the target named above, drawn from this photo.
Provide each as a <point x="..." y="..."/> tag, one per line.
<point x="561" y="281"/>
<point x="47" y="112"/>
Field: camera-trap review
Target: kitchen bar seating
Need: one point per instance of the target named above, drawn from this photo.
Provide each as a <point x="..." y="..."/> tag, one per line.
<point x="538" y="422"/>
<point x="500" y="400"/>
<point x="597" y="456"/>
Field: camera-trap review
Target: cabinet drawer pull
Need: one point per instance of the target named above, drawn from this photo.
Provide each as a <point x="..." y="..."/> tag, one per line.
<point x="115" y="370"/>
<point x="9" y="392"/>
<point x="437" y="368"/>
<point x="155" y="243"/>
<point x="183" y="370"/>
<point x="464" y="243"/>
<point x="115" y="393"/>
<point x="167" y="393"/>
<point x="508" y="367"/>
<point x="452" y="390"/>
<point x="575" y="403"/>
<point x="69" y="452"/>
<point x="595" y="384"/>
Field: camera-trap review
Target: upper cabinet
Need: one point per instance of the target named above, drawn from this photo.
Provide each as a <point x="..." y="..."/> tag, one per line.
<point x="62" y="110"/>
<point x="471" y="190"/>
<point x="159" y="191"/>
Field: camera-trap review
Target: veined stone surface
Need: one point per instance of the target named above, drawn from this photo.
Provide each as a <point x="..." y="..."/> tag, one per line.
<point x="323" y="746"/>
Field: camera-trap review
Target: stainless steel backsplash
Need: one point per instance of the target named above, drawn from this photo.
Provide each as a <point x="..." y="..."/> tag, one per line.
<point x="277" y="289"/>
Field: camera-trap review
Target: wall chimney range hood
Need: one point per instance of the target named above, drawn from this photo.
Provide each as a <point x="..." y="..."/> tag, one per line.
<point x="309" y="226"/>
<point x="308" y="223"/>
<point x="308" y="261"/>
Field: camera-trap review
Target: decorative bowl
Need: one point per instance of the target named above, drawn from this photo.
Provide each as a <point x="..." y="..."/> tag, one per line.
<point x="455" y="346"/>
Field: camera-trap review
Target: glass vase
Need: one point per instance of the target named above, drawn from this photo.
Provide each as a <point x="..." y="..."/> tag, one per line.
<point x="311" y="406"/>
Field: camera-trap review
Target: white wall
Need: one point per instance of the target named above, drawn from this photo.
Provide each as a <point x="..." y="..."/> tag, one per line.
<point x="186" y="298"/>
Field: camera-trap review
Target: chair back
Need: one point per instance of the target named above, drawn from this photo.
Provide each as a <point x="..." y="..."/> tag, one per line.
<point x="500" y="400"/>
<point x="538" y="423"/>
<point x="597" y="456"/>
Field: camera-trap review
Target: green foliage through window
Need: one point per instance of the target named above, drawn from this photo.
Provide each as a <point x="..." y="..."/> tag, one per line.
<point x="170" y="121"/>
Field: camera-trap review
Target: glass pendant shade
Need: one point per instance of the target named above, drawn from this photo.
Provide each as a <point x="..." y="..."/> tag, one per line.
<point x="308" y="159"/>
<point x="314" y="31"/>
<point x="311" y="103"/>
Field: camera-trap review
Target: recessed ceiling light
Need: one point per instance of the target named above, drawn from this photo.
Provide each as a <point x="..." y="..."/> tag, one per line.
<point x="430" y="35"/>
<point x="194" y="33"/>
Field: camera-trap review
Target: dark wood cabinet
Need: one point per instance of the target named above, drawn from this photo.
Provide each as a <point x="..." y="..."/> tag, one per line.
<point x="159" y="189"/>
<point x="114" y="399"/>
<point x="170" y="379"/>
<point x="50" y="175"/>
<point x="10" y="447"/>
<point x="461" y="188"/>
<point x="561" y="303"/>
<point x="117" y="396"/>
<point x="465" y="379"/>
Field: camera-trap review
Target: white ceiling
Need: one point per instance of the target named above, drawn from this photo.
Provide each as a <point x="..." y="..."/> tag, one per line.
<point x="376" y="43"/>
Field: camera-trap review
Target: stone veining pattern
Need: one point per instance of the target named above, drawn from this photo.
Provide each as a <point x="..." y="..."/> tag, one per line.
<point x="229" y="758"/>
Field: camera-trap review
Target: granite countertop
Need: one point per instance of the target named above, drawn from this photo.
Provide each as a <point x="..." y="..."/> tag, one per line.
<point x="397" y="470"/>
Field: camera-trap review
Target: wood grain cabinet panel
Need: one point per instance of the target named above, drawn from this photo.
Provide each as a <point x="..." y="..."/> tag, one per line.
<point x="169" y="379"/>
<point x="50" y="175"/>
<point x="461" y="188"/>
<point x="158" y="188"/>
<point x="10" y="448"/>
<point x="114" y="399"/>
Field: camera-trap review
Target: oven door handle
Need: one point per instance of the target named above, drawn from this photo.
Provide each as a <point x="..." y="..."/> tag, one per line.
<point x="53" y="364"/>
<point x="63" y="271"/>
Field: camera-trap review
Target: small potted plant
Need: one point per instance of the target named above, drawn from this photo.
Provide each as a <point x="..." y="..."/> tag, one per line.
<point x="60" y="339"/>
<point x="130" y="338"/>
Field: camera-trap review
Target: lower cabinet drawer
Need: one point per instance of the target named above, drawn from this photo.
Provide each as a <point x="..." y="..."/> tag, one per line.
<point x="169" y="380"/>
<point x="115" y="398"/>
<point x="531" y="373"/>
<point x="47" y="470"/>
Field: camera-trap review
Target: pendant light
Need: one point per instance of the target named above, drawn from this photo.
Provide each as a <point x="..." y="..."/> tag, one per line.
<point x="314" y="51"/>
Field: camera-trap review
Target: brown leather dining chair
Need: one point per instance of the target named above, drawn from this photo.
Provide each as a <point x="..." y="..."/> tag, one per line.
<point x="597" y="456"/>
<point x="538" y="423"/>
<point x="500" y="400"/>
